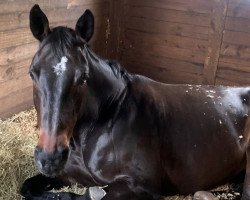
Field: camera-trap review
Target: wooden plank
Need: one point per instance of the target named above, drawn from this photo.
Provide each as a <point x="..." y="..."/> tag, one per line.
<point x="171" y="28"/>
<point x="234" y="37"/>
<point x="234" y="60"/>
<point x="22" y="36"/>
<point x="14" y="70"/>
<point x="225" y="82"/>
<point x="233" y="76"/>
<point x="237" y="24"/>
<point x="162" y="62"/>
<point x="163" y="14"/>
<point x="237" y="2"/>
<point x="74" y="3"/>
<point x="20" y="6"/>
<point x="20" y="100"/>
<point x="14" y="85"/>
<point x="165" y="51"/>
<point x="239" y="9"/>
<point x="115" y="29"/>
<point x="133" y="37"/>
<point x="16" y="54"/>
<point x="163" y="75"/>
<point x="235" y="67"/>
<point x="238" y="51"/>
<point x="10" y="21"/>
<point x="191" y="6"/>
<point x="15" y="38"/>
<point x="233" y="71"/>
<point x="217" y="24"/>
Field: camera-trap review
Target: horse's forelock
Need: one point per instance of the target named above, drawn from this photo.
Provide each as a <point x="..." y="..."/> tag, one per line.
<point x="61" y="41"/>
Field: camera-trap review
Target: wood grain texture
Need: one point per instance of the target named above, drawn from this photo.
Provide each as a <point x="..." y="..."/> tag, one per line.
<point x="165" y="40"/>
<point x="234" y="61"/>
<point x="207" y="39"/>
<point x="217" y="24"/>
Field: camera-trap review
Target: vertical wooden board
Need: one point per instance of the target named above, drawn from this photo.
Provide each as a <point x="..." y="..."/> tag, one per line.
<point x="217" y="24"/>
<point x="115" y="29"/>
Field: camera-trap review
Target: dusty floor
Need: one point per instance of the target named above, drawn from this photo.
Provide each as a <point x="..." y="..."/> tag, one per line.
<point x="18" y="138"/>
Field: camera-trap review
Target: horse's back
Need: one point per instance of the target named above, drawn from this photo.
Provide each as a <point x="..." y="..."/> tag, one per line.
<point x="202" y="130"/>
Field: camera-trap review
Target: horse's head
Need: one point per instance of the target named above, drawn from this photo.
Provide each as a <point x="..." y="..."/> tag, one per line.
<point x="59" y="71"/>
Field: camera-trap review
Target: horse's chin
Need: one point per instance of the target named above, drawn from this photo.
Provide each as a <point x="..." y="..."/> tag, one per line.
<point x="49" y="173"/>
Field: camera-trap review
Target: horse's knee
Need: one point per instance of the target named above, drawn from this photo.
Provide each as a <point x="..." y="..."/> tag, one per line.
<point x="203" y="195"/>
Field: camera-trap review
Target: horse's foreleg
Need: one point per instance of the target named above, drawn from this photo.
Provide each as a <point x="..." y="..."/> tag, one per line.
<point x="246" y="185"/>
<point x="36" y="188"/>
<point x="38" y="184"/>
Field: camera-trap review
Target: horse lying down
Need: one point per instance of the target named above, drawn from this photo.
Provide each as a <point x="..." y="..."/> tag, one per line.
<point x="100" y="125"/>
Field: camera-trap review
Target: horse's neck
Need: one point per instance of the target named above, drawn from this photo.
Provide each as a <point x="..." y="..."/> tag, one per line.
<point x="105" y="89"/>
<point x="103" y="82"/>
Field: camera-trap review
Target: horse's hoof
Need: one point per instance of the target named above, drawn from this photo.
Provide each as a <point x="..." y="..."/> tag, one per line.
<point x="25" y="192"/>
<point x="96" y="193"/>
<point x="203" y="195"/>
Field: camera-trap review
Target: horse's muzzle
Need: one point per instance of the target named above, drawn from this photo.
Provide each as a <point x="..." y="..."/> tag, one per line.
<point x="51" y="164"/>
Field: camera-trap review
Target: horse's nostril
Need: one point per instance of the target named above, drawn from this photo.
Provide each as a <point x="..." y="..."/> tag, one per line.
<point x="38" y="149"/>
<point x="64" y="151"/>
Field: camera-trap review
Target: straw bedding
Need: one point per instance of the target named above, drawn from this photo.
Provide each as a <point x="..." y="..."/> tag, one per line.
<point x="17" y="140"/>
<point x="18" y="136"/>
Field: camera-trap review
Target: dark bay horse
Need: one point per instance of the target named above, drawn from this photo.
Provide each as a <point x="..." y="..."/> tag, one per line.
<point x="102" y="126"/>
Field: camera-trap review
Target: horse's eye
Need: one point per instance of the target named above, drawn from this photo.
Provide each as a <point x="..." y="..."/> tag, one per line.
<point x="82" y="80"/>
<point x="31" y="75"/>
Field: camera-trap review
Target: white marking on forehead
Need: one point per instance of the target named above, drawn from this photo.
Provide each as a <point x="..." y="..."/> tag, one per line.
<point x="60" y="67"/>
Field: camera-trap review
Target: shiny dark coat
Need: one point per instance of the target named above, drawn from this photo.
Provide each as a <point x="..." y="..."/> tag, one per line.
<point x="100" y="125"/>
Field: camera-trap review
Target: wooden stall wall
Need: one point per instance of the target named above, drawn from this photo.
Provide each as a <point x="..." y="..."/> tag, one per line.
<point x="234" y="61"/>
<point x="183" y="41"/>
<point x="17" y="45"/>
<point x="165" y="39"/>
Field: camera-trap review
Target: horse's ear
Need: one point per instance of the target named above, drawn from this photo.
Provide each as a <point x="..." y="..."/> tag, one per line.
<point x="85" y="25"/>
<point x="39" y="24"/>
